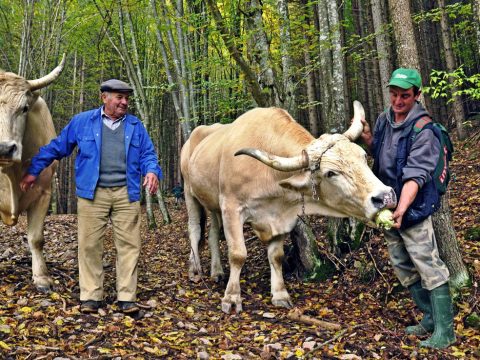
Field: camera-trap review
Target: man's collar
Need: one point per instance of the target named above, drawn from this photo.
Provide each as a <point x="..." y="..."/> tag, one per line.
<point x="105" y="116"/>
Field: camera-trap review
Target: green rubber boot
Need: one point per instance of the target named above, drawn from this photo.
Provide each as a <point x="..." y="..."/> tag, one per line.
<point x="421" y="297"/>
<point x="444" y="334"/>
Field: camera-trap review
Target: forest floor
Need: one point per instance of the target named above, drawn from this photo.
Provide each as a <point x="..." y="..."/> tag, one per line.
<point x="183" y="320"/>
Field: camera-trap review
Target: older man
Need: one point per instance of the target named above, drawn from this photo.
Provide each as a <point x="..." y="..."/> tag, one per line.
<point x="114" y="152"/>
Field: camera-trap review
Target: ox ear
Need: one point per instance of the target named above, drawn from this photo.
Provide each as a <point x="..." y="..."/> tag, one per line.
<point x="297" y="182"/>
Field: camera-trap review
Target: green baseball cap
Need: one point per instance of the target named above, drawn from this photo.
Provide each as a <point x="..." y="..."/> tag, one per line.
<point x="405" y="78"/>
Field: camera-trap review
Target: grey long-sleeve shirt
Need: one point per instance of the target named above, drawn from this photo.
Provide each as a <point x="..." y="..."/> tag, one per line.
<point x="423" y="154"/>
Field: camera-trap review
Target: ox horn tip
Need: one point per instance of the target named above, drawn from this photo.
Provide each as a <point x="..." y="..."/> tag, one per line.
<point x="245" y="151"/>
<point x="358" y="109"/>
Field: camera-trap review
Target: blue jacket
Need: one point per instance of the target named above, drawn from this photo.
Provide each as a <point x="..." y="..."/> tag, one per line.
<point x="85" y="132"/>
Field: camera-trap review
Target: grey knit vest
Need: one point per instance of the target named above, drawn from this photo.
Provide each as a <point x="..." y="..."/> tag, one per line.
<point x="113" y="164"/>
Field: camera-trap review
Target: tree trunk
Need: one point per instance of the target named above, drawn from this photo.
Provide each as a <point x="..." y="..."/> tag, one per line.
<point x="259" y="52"/>
<point x="405" y="41"/>
<point x="163" y="208"/>
<point x="448" y="246"/>
<point x="305" y="259"/>
<point x="476" y="16"/>
<point x="325" y="61"/>
<point x="310" y="77"/>
<point x="25" y="47"/>
<point x="288" y="93"/>
<point x="457" y="107"/>
<point x="383" y="51"/>
<point x="152" y="224"/>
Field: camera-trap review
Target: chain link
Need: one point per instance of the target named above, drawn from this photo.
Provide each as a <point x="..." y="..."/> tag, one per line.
<point x="314" y="189"/>
<point x="303" y="205"/>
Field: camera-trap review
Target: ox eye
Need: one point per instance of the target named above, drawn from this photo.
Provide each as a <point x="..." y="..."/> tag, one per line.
<point x="25" y="109"/>
<point x="330" y="174"/>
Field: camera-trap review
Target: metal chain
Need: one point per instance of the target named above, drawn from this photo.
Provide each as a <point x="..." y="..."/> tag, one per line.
<point x="303" y="205"/>
<point x="314" y="189"/>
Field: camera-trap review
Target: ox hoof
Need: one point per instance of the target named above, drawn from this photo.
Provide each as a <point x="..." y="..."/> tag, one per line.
<point x="196" y="278"/>
<point x="43" y="289"/>
<point x="283" y="303"/>
<point x="282" y="299"/>
<point x="227" y="306"/>
<point x="43" y="283"/>
<point x="218" y="277"/>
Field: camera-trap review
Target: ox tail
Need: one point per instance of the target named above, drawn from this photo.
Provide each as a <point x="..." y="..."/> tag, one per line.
<point x="203" y="227"/>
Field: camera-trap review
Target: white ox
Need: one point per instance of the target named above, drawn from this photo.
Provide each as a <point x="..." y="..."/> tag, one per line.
<point x="296" y="172"/>
<point x="26" y="125"/>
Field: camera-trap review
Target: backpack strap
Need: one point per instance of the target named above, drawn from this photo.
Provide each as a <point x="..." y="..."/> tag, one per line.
<point x="420" y="124"/>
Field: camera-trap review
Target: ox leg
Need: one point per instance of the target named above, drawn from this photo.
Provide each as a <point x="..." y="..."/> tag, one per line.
<point x="280" y="296"/>
<point x="196" y="216"/>
<point x="35" y="217"/>
<point x="216" y="270"/>
<point x="237" y="253"/>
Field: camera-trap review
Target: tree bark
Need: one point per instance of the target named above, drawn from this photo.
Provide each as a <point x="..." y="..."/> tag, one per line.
<point x="457" y="107"/>
<point x="259" y="52"/>
<point x="25" y="47"/>
<point x="288" y="93"/>
<point x="404" y="35"/>
<point x="448" y="246"/>
<point x="383" y="52"/>
<point x="476" y="16"/>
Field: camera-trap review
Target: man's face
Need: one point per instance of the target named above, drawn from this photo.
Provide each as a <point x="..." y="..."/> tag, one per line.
<point x="402" y="101"/>
<point x="116" y="104"/>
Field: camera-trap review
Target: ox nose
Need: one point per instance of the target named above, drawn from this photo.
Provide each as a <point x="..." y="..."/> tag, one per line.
<point x="7" y="150"/>
<point x="385" y="200"/>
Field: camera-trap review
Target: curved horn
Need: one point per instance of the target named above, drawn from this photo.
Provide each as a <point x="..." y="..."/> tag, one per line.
<point x="357" y="127"/>
<point x="277" y="162"/>
<point x="47" y="79"/>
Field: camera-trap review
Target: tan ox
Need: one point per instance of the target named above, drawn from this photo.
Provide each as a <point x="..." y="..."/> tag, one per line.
<point x="25" y="125"/>
<point x="328" y="176"/>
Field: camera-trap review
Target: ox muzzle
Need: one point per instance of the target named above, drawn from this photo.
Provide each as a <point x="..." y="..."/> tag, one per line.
<point x="9" y="153"/>
<point x="386" y="200"/>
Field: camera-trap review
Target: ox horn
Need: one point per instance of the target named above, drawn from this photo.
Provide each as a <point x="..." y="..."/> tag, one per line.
<point x="356" y="128"/>
<point x="277" y="162"/>
<point x="47" y="79"/>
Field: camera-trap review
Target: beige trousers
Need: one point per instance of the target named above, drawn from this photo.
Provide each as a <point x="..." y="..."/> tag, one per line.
<point x="93" y="216"/>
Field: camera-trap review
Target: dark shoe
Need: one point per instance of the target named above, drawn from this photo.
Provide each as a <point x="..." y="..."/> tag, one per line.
<point x="444" y="334"/>
<point x="421" y="297"/>
<point x="90" y="306"/>
<point x="128" y="307"/>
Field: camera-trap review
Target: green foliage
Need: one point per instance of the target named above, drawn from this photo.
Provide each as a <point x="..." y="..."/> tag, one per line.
<point x="454" y="84"/>
<point x="473" y="233"/>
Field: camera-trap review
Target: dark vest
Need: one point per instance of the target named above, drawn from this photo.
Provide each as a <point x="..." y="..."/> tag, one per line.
<point x="113" y="161"/>
<point x="427" y="200"/>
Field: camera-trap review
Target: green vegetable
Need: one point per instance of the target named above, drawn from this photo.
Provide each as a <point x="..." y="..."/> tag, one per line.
<point x="384" y="219"/>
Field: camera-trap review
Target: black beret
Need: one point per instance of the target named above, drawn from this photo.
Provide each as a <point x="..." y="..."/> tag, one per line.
<point x="114" y="85"/>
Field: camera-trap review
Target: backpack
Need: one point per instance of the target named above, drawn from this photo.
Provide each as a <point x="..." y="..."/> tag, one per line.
<point x="441" y="175"/>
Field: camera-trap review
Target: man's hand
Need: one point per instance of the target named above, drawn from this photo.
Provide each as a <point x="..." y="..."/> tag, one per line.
<point x="27" y="182"/>
<point x="366" y="134"/>
<point x="150" y="182"/>
<point x="409" y="192"/>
